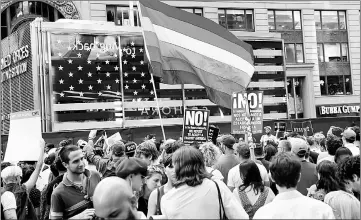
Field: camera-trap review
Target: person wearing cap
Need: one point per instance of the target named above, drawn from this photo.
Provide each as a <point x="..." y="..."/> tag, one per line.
<point x="268" y="136"/>
<point x="348" y="138"/>
<point x="227" y="160"/>
<point x="133" y="170"/>
<point x="130" y="148"/>
<point x="308" y="170"/>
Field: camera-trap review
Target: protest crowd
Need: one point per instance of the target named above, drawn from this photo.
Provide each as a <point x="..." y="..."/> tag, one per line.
<point x="292" y="177"/>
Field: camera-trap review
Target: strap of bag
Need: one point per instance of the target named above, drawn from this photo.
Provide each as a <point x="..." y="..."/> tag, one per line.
<point x="157" y="210"/>
<point x="221" y="207"/>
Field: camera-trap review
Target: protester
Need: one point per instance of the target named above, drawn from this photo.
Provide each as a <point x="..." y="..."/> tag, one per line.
<point x="342" y="153"/>
<point x="252" y="194"/>
<point x="327" y="181"/>
<point x="8" y="205"/>
<point x="349" y="173"/>
<point x="314" y="147"/>
<point x="211" y="154"/>
<point x="319" y="141"/>
<point x="284" y="146"/>
<point x="72" y="198"/>
<point x="195" y="195"/>
<point x="148" y="152"/>
<point x="270" y="151"/>
<point x="114" y="199"/>
<point x="356" y="129"/>
<point x="260" y="156"/>
<point x="152" y="181"/>
<point x="335" y="131"/>
<point x="285" y="170"/>
<point x="130" y="148"/>
<point x="348" y="138"/>
<point x="308" y="170"/>
<point x="243" y="153"/>
<point x="332" y="144"/>
<point x="268" y="136"/>
<point x="228" y="160"/>
<point x="343" y="204"/>
<point x="134" y="171"/>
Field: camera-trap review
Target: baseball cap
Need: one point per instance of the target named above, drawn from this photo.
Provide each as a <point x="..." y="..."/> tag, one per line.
<point x="130" y="148"/>
<point x="299" y="146"/>
<point x="348" y="133"/>
<point x="228" y="141"/>
<point x="131" y="166"/>
<point x="118" y="148"/>
<point x="268" y="127"/>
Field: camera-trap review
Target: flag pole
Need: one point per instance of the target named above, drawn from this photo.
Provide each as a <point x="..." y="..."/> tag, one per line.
<point x="151" y="72"/>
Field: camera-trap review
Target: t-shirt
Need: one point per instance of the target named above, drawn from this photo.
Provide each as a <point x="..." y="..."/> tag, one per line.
<point x="308" y="177"/>
<point x="235" y="180"/>
<point x="266" y="138"/>
<point x="355" y="150"/>
<point x="225" y="163"/>
<point x="216" y="175"/>
<point x="8" y="201"/>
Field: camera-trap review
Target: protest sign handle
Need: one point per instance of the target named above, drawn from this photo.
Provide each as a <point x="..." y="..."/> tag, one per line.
<point x="156" y="98"/>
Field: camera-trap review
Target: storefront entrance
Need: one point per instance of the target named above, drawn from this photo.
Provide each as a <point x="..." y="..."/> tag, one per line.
<point x="295" y="97"/>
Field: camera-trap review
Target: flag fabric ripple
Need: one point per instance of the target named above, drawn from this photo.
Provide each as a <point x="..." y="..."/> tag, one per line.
<point x="185" y="48"/>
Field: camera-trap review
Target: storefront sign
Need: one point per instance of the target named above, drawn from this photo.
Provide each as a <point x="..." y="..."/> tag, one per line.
<point x="303" y="128"/>
<point x="247" y="108"/>
<point x="344" y="109"/>
<point x="11" y="65"/>
<point x="195" y="126"/>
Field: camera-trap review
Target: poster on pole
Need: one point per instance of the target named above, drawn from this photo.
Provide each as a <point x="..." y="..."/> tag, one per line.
<point x="24" y="137"/>
<point x="195" y="126"/>
<point x="213" y="133"/>
<point x="247" y="107"/>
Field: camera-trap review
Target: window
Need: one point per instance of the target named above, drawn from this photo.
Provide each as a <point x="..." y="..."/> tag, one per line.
<point x="197" y="11"/>
<point x="336" y="85"/>
<point x="332" y="52"/>
<point x="330" y="20"/>
<point x="120" y="15"/>
<point x="294" y="53"/>
<point x="236" y="19"/>
<point x="284" y="20"/>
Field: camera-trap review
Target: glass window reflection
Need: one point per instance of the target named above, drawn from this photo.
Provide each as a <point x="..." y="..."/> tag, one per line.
<point x="284" y="20"/>
<point x="332" y="52"/>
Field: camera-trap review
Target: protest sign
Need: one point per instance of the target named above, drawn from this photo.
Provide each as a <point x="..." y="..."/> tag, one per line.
<point x="24" y="137"/>
<point x="302" y="128"/>
<point x="213" y="134"/>
<point x="280" y="126"/>
<point x="247" y="108"/>
<point x="195" y="126"/>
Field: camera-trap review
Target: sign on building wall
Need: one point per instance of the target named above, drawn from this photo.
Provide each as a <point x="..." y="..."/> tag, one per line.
<point x="195" y="126"/>
<point x="340" y="109"/>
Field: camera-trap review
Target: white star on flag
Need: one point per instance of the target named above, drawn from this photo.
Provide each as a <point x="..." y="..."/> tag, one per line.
<point x="90" y="74"/>
<point x="98" y="55"/>
<point x="133" y="55"/>
<point x="141" y="50"/>
<point x="88" y="49"/>
<point x="90" y="87"/>
<point x="61" y="94"/>
<point x="80" y="81"/>
<point x="98" y="68"/>
<point x="132" y="43"/>
<point x="61" y="81"/>
<point x="116" y="68"/>
<point x="118" y="93"/>
<point x="125" y="62"/>
<point x="79" y="55"/>
<point x="60" y="54"/>
<point x="81" y="93"/>
<point x="78" y="42"/>
<point x="70" y="61"/>
<point x="107" y="62"/>
<point x="99" y="81"/>
<point x="107" y="74"/>
<point x="69" y="47"/>
<point x="71" y="87"/>
<point x="126" y="87"/>
<point x="134" y="81"/>
<point x="108" y="87"/>
<point x="142" y="74"/>
<point x="60" y="67"/>
<point x="134" y="68"/>
<point x="89" y="61"/>
<point x="125" y="74"/>
<point x="80" y="68"/>
<point x="124" y="49"/>
<point x="59" y="41"/>
<point x="151" y="81"/>
<point x="70" y="74"/>
<point x="115" y="55"/>
<point x="143" y="86"/>
<point x="151" y="92"/>
<point x="141" y="62"/>
<point x="135" y="93"/>
<point x="100" y="93"/>
<point x="117" y="81"/>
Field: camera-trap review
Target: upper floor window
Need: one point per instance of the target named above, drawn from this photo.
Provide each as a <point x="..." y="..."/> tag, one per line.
<point x="330" y="20"/>
<point x="332" y="52"/>
<point x="284" y="20"/>
<point x="121" y="15"/>
<point x="236" y="19"/>
<point x="294" y="53"/>
<point x="197" y="11"/>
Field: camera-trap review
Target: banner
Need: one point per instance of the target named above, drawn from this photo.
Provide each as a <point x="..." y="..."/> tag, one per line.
<point x="195" y="126"/>
<point x="213" y="134"/>
<point x="247" y="108"/>
<point x="280" y="126"/>
<point x="24" y="137"/>
<point x="303" y="128"/>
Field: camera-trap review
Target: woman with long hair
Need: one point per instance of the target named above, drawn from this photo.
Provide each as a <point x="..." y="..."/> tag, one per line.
<point x="327" y="180"/>
<point x="211" y="153"/>
<point x="252" y="194"/>
<point x="195" y="195"/>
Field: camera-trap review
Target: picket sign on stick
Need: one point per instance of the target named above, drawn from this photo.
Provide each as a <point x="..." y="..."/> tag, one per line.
<point x="24" y="137"/>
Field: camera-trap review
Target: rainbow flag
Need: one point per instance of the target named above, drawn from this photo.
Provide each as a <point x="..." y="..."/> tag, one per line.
<point x="184" y="48"/>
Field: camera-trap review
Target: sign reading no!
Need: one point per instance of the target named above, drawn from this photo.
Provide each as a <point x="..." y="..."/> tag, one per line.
<point x="195" y="126"/>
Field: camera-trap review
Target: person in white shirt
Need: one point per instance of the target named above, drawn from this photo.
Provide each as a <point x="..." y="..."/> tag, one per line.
<point x="195" y="195"/>
<point x="268" y="136"/>
<point x="211" y="154"/>
<point x="285" y="171"/>
<point x="8" y="204"/>
<point x="348" y="138"/>
<point x="244" y="154"/>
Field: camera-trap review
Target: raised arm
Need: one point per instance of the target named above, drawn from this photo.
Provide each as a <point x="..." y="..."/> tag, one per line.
<point x="34" y="176"/>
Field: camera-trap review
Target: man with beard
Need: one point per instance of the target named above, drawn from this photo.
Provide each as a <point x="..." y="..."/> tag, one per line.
<point x="71" y="199"/>
<point x="113" y="199"/>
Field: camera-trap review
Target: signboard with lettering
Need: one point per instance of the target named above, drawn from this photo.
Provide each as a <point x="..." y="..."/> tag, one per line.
<point x="213" y="132"/>
<point x="303" y="128"/>
<point x="341" y="109"/>
<point x="195" y="126"/>
<point x="280" y="126"/>
<point x="247" y="108"/>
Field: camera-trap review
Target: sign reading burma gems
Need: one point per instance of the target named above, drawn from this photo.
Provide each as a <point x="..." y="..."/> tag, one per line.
<point x="10" y="66"/>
